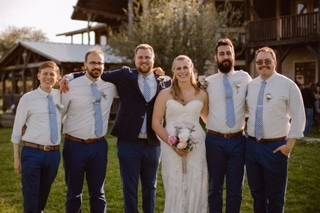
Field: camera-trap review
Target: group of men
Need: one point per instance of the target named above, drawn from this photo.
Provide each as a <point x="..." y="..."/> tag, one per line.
<point x="276" y="118"/>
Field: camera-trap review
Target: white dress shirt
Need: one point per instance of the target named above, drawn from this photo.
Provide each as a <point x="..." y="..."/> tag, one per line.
<point x="79" y="114"/>
<point x="217" y="101"/>
<point x="33" y="112"/>
<point x="151" y="80"/>
<point x="282" y="102"/>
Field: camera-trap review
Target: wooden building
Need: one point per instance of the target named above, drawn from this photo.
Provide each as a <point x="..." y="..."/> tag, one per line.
<point x="19" y="67"/>
<point x="292" y="28"/>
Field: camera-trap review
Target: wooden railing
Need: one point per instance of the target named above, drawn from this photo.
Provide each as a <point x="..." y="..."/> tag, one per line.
<point x="304" y="26"/>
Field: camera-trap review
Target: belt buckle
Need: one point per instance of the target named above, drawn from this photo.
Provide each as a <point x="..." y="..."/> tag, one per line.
<point x="46" y="148"/>
<point x="226" y="136"/>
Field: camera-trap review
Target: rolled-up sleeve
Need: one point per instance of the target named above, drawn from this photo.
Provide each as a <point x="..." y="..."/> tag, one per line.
<point x="296" y="112"/>
<point x="20" y="120"/>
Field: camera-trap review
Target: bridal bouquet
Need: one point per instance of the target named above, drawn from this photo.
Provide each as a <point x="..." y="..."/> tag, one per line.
<point x="183" y="137"/>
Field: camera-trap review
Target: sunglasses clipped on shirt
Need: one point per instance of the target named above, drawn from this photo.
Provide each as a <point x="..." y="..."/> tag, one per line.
<point x="265" y="61"/>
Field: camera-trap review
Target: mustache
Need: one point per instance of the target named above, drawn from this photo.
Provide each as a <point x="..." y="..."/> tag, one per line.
<point x="96" y="69"/>
<point x="264" y="67"/>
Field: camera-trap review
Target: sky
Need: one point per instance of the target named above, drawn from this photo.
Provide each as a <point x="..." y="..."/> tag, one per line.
<point x="50" y="16"/>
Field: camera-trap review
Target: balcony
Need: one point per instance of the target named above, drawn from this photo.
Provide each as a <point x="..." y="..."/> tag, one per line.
<point x="284" y="30"/>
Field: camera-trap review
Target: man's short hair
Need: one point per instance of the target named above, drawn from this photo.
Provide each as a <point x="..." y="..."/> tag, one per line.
<point x="144" y="47"/>
<point x="267" y="50"/>
<point x="96" y="50"/>
<point x="50" y="64"/>
<point x="224" y="42"/>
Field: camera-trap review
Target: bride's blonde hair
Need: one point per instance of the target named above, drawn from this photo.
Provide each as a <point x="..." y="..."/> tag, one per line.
<point x="175" y="89"/>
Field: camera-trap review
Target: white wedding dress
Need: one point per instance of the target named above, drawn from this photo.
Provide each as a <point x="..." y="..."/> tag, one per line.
<point x="185" y="192"/>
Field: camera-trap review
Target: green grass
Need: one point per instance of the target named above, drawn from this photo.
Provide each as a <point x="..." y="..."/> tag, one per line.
<point x="303" y="193"/>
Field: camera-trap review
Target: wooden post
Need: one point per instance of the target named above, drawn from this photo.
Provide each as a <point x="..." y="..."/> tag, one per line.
<point x="3" y="79"/>
<point x="130" y="16"/>
<point x="278" y="21"/>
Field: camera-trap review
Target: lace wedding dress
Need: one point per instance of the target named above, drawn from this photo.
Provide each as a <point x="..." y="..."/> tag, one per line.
<point x="186" y="186"/>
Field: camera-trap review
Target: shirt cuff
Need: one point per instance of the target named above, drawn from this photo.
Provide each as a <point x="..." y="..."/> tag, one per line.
<point x="16" y="139"/>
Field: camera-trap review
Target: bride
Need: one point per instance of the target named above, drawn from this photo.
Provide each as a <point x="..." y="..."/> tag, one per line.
<point x="184" y="165"/>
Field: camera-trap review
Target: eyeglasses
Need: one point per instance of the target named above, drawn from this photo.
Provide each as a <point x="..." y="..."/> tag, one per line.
<point x="93" y="63"/>
<point x="265" y="61"/>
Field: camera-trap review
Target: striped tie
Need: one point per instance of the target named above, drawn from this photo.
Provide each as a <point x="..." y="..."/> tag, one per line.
<point x="97" y="110"/>
<point x="259" y="112"/>
<point x="230" y="116"/>
<point x="53" y="122"/>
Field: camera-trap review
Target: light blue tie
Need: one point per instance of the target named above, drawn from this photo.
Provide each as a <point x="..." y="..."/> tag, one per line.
<point x="53" y="122"/>
<point x="230" y="116"/>
<point x="146" y="89"/>
<point x="97" y="110"/>
<point x="259" y="112"/>
<point x="146" y="94"/>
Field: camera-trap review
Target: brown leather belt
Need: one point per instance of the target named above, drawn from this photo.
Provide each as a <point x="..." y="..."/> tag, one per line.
<point x="79" y="140"/>
<point x="227" y="135"/>
<point x="44" y="148"/>
<point x="268" y="140"/>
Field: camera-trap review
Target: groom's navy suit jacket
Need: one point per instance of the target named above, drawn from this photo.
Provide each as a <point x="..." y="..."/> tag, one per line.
<point x="133" y="106"/>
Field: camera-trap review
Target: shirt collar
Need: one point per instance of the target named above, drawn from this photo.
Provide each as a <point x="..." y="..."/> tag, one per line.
<point x="229" y="74"/>
<point x="89" y="81"/>
<point x="43" y="93"/>
<point x="148" y="77"/>
<point x="273" y="76"/>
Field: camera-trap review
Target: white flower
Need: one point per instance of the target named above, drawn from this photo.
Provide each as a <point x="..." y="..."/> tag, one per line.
<point x="268" y="96"/>
<point x="184" y="135"/>
<point x="60" y="107"/>
<point x="182" y="145"/>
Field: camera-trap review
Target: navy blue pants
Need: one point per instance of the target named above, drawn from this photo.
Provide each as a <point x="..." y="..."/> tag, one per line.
<point x="267" y="175"/>
<point x="225" y="159"/>
<point x="39" y="169"/>
<point x="90" y="161"/>
<point x="138" y="160"/>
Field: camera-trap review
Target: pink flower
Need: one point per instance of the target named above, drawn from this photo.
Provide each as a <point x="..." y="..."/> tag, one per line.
<point x="182" y="145"/>
<point x="172" y="140"/>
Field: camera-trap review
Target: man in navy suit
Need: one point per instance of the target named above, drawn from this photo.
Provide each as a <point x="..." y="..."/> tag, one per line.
<point x="138" y="146"/>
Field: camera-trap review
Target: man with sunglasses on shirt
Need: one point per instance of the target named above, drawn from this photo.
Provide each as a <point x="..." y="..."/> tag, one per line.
<point x="276" y="120"/>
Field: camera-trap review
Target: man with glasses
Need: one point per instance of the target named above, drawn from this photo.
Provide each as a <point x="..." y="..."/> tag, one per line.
<point x="276" y="120"/>
<point x="87" y="109"/>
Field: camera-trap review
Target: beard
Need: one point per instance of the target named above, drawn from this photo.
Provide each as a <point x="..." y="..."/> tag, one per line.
<point x="144" y="68"/>
<point x="95" y="73"/>
<point x="225" y="66"/>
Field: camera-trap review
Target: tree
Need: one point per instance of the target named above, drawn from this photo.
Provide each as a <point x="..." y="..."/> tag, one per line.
<point x="11" y="35"/>
<point x="173" y="27"/>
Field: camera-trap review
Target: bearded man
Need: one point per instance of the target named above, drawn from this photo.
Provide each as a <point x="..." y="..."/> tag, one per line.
<point x="225" y="142"/>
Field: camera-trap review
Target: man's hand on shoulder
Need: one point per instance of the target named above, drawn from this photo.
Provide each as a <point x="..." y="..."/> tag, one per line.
<point x="64" y="84"/>
<point x="158" y="71"/>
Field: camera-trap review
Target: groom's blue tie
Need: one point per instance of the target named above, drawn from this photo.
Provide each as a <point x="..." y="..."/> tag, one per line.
<point x="146" y="94"/>
<point x="53" y="122"/>
<point x="97" y="109"/>
<point x="230" y="116"/>
<point x="259" y="112"/>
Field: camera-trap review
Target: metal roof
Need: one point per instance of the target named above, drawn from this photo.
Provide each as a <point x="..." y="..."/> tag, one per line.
<point x="73" y="53"/>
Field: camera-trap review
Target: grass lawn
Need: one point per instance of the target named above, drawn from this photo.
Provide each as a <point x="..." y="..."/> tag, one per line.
<point x="303" y="193"/>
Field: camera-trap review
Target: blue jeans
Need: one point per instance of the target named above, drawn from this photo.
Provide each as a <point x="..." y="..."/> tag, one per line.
<point x="39" y="169"/>
<point x="138" y="160"/>
<point x="267" y="176"/>
<point x="90" y="161"/>
<point x="225" y="159"/>
<point x="309" y="120"/>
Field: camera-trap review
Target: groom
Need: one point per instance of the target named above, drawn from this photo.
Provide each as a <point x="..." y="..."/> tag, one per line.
<point x="138" y="146"/>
